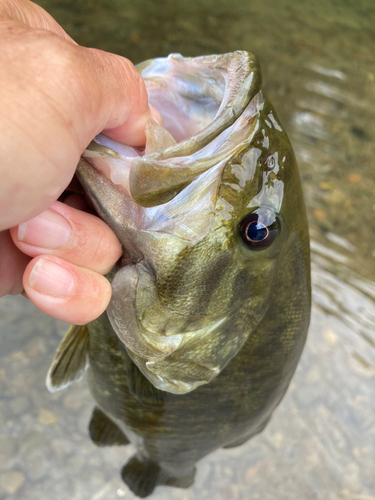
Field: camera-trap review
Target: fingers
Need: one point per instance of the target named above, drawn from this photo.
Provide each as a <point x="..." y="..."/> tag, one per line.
<point x="126" y="112"/>
<point x="71" y="250"/>
<point x="65" y="291"/>
<point x="76" y="236"/>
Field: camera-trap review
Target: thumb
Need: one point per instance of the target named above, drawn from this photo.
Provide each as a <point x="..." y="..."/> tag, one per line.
<point x="120" y="95"/>
<point x="56" y="96"/>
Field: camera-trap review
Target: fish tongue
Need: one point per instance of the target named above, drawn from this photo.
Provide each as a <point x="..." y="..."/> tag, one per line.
<point x="157" y="138"/>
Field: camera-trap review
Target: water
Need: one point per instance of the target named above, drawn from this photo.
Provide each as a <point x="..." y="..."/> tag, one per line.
<point x="318" y="64"/>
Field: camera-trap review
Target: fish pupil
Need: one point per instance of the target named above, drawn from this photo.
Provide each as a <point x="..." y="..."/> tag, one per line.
<point x="256" y="231"/>
<point x="259" y="228"/>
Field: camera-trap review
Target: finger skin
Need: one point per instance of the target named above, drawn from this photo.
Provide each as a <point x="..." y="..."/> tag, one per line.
<point x="32" y="15"/>
<point x="55" y="97"/>
<point x="86" y="299"/>
<point x="91" y="243"/>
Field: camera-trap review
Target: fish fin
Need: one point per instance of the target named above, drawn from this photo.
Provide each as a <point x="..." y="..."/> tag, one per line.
<point x="71" y="359"/>
<point x="104" y="432"/>
<point x="157" y="138"/>
<point x="141" y="476"/>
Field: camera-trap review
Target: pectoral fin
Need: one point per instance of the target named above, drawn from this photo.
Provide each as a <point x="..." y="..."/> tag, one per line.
<point x="71" y="359"/>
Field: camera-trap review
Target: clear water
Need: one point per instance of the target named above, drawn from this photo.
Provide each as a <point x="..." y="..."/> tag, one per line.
<point x="318" y="63"/>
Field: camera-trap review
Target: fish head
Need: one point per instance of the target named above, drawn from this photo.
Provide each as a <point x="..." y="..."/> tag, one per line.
<point x="204" y="214"/>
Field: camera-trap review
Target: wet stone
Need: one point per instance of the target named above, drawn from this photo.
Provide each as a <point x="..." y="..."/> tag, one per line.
<point x="11" y="481"/>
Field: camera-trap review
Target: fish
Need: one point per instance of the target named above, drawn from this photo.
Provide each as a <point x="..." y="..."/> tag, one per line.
<point x="211" y="298"/>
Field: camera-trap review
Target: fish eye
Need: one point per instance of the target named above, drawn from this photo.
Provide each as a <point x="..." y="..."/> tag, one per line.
<point x="259" y="229"/>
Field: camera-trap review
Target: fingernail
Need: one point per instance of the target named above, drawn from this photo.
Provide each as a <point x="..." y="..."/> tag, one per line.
<point x="49" y="278"/>
<point x="47" y="230"/>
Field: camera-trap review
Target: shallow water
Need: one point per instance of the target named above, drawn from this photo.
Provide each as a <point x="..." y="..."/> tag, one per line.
<point x="318" y="63"/>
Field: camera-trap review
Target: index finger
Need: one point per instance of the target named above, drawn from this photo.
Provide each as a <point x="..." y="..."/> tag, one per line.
<point x="77" y="237"/>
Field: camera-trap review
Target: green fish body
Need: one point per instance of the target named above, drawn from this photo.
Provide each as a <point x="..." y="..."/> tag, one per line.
<point x="211" y="300"/>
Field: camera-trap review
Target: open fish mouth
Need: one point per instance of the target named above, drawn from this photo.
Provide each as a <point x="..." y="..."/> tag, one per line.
<point x="207" y="104"/>
<point x="162" y="200"/>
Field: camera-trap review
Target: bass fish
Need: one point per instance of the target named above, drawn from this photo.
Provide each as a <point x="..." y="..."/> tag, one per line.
<point x="211" y="298"/>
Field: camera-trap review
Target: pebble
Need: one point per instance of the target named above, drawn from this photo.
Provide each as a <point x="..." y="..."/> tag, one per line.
<point x="330" y="336"/>
<point x="319" y="213"/>
<point x="326" y="186"/>
<point x="354" y="178"/>
<point x="47" y="417"/>
<point x="11" y="481"/>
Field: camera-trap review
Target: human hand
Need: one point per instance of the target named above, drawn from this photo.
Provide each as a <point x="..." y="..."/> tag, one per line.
<point x="55" y="96"/>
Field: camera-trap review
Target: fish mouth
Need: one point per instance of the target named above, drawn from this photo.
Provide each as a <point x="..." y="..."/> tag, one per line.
<point x="207" y="103"/>
<point x="200" y="96"/>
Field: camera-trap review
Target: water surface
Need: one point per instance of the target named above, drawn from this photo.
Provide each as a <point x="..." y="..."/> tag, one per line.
<point x="318" y="63"/>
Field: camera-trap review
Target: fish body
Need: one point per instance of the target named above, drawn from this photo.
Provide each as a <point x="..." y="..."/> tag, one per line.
<point x="211" y="300"/>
